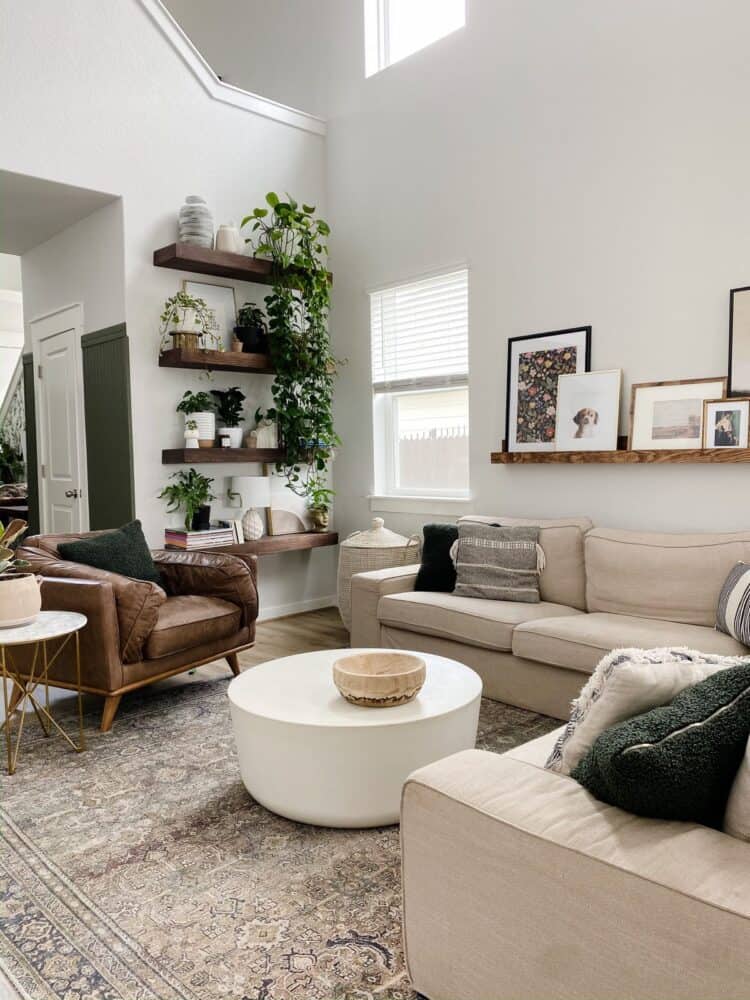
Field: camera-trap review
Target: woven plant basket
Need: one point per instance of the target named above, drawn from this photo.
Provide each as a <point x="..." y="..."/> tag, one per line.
<point x="377" y="548"/>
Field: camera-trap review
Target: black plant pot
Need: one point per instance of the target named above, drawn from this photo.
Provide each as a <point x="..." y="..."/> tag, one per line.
<point x="254" y="339"/>
<point x="202" y="518"/>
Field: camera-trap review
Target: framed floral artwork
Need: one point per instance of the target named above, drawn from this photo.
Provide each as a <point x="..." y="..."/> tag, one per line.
<point x="535" y="362"/>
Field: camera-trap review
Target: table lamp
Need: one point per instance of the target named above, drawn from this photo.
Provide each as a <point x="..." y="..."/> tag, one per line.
<point x="255" y="492"/>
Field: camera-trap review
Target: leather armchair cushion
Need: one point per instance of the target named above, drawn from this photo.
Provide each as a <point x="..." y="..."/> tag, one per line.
<point x="210" y="574"/>
<point x="186" y="621"/>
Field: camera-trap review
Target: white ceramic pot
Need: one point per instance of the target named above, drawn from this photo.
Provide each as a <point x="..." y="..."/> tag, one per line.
<point x="235" y="436"/>
<point x="206" y="431"/>
<point x="20" y="599"/>
<point x="191" y="440"/>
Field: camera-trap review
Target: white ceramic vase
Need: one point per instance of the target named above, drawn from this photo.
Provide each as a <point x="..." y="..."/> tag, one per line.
<point x="20" y="599"/>
<point x="206" y="431"/>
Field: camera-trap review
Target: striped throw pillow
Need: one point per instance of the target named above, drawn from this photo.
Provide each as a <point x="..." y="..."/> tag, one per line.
<point x="733" y="613"/>
<point x="498" y="564"/>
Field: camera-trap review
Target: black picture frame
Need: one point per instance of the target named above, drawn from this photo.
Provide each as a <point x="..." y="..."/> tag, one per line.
<point x="530" y="337"/>
<point x="732" y="389"/>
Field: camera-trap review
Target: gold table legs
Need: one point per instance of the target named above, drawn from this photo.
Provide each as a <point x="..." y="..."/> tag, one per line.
<point x="22" y="691"/>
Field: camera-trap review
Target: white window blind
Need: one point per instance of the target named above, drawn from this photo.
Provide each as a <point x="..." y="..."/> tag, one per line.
<point x="420" y="333"/>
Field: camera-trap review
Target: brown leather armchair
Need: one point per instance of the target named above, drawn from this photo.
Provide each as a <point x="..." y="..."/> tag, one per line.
<point x="139" y="632"/>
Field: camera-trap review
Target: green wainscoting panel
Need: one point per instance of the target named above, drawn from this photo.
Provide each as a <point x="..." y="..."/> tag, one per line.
<point x="32" y="467"/>
<point x="109" y="437"/>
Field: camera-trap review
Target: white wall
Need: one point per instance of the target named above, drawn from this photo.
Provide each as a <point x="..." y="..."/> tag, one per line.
<point x="125" y="115"/>
<point x="10" y="272"/>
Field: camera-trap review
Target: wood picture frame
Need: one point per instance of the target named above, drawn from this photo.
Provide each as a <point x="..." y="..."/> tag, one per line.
<point x="707" y="388"/>
<point x="588" y="411"/>
<point x="739" y="429"/>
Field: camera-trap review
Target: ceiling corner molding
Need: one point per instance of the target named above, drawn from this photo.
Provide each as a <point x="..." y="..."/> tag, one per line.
<point x="216" y="88"/>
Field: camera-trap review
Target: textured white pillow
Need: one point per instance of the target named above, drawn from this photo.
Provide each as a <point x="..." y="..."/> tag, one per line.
<point x="737" y="815"/>
<point x="626" y="683"/>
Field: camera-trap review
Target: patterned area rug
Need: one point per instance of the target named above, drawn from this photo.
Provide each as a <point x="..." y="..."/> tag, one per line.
<point x="142" y="870"/>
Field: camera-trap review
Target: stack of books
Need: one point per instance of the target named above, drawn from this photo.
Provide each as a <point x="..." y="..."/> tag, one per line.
<point x="210" y="538"/>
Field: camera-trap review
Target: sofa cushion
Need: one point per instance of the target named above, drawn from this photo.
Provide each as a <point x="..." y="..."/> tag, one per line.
<point x="671" y="577"/>
<point x="498" y="563"/>
<point x="436" y="570"/>
<point x="471" y="620"/>
<point x="579" y="642"/>
<point x="189" y="621"/>
<point x="563" y="580"/>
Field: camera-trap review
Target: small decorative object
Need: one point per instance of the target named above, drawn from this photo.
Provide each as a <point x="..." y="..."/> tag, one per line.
<point x="220" y="309"/>
<point x="229" y="409"/>
<point x="254" y="493"/>
<point x="197" y="407"/>
<point x="20" y="596"/>
<point x="669" y="415"/>
<point x="265" y="434"/>
<point x="739" y="342"/>
<point x="252" y="329"/>
<point x="376" y="548"/>
<point x="236" y="347"/>
<point x="186" y="321"/>
<point x="228" y="238"/>
<point x="191" y="492"/>
<point x="225" y="440"/>
<point x="534" y="363"/>
<point x="196" y="224"/>
<point x="588" y="411"/>
<point x="318" y="503"/>
<point x="725" y="423"/>
<point x="191" y="433"/>
<point x="379" y="680"/>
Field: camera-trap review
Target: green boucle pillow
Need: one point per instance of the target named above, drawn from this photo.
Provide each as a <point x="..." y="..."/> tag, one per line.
<point x="677" y="761"/>
<point x="124" y="551"/>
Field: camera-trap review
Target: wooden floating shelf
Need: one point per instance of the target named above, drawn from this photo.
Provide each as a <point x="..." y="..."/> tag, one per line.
<point x="715" y="456"/>
<point x="271" y="544"/>
<point x="219" y="263"/>
<point x="218" y="361"/>
<point x="203" y="456"/>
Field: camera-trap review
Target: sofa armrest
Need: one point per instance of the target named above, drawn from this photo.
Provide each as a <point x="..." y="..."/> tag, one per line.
<point x="367" y="589"/>
<point x="137" y="601"/>
<point x="210" y="574"/>
<point x="518" y="883"/>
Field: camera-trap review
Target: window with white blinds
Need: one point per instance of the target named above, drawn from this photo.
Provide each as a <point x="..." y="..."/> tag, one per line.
<point x="420" y="334"/>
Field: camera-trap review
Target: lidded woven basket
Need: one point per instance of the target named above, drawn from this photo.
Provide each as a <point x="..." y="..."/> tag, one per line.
<point x="376" y="548"/>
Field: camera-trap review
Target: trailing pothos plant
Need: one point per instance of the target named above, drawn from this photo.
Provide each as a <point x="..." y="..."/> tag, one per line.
<point x="297" y="307"/>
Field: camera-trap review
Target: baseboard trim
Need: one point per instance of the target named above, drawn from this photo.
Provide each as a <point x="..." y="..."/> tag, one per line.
<point x="297" y="607"/>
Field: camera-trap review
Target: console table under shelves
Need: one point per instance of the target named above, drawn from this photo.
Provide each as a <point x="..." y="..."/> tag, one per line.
<point x="623" y="457"/>
<point x="203" y="456"/>
<point x="271" y="544"/>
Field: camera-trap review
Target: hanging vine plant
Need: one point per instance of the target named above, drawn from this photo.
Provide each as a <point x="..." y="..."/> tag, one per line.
<point x="296" y="242"/>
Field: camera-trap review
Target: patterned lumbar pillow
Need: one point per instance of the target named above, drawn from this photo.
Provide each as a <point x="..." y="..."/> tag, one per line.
<point x="679" y="761"/>
<point x="436" y="571"/>
<point x="733" y="613"/>
<point x="628" y="682"/>
<point x="499" y="564"/>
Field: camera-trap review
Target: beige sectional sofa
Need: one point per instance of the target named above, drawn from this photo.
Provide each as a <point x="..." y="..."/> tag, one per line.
<point x="601" y="589"/>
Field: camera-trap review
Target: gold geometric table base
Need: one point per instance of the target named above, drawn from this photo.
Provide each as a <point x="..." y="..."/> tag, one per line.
<point x="23" y="691"/>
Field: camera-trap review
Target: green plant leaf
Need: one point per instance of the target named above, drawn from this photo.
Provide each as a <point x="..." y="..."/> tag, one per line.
<point x="272" y="198"/>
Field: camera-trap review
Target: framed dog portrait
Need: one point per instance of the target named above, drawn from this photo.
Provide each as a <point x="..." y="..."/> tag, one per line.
<point x="739" y="342"/>
<point x="535" y="362"/>
<point x="588" y="411"/>
<point x="725" y="423"/>
<point x="669" y="415"/>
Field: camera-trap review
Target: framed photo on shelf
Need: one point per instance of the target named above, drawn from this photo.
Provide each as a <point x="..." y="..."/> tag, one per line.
<point x="725" y="422"/>
<point x="535" y="363"/>
<point x="220" y="300"/>
<point x="669" y="415"/>
<point x="588" y="411"/>
<point x="739" y="342"/>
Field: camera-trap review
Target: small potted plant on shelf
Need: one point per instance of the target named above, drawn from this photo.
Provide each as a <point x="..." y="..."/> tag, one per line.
<point x="192" y="493"/>
<point x="229" y="409"/>
<point x="199" y="414"/>
<point x="319" y="498"/>
<point x="188" y="321"/>
<point x="20" y="596"/>
<point x="251" y="329"/>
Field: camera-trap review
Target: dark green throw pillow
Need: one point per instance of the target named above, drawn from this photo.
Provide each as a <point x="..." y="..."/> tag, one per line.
<point x="437" y="572"/>
<point x="677" y="761"/>
<point x="124" y="551"/>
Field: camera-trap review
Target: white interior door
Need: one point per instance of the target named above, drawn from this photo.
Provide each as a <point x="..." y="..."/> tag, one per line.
<point x="60" y="423"/>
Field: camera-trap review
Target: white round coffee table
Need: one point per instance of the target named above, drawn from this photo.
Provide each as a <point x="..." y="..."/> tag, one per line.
<point x="309" y="755"/>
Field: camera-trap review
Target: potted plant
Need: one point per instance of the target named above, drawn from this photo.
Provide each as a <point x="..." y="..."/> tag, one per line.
<point x="198" y="410"/>
<point x="192" y="493"/>
<point x="189" y="322"/>
<point x="20" y="596"/>
<point x="251" y="329"/>
<point x="229" y="409"/>
<point x="318" y="503"/>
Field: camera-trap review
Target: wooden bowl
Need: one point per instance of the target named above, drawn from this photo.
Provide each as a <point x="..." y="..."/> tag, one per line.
<point x="379" y="680"/>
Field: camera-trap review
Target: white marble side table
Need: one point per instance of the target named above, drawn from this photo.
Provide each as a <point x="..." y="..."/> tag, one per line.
<point x="46" y="627"/>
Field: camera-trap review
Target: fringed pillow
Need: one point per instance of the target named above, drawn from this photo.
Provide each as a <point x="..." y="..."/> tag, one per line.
<point x="498" y="564"/>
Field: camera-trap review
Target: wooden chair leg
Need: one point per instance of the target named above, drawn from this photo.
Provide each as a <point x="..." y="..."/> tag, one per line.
<point x="111" y="704"/>
<point x="234" y="663"/>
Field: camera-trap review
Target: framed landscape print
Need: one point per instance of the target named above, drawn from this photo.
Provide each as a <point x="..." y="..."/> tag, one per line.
<point x="220" y="300"/>
<point x="669" y="415"/>
<point x="588" y="411"/>
<point x="739" y="342"/>
<point x="535" y="363"/>
<point x="725" y="423"/>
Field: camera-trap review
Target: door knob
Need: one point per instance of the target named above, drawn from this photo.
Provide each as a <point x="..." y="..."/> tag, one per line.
<point x="72" y="493"/>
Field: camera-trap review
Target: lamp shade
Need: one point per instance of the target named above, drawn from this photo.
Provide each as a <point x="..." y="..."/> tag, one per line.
<point x="254" y="490"/>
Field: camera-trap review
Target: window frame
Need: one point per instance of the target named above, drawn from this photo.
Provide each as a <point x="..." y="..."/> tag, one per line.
<point x="377" y="37"/>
